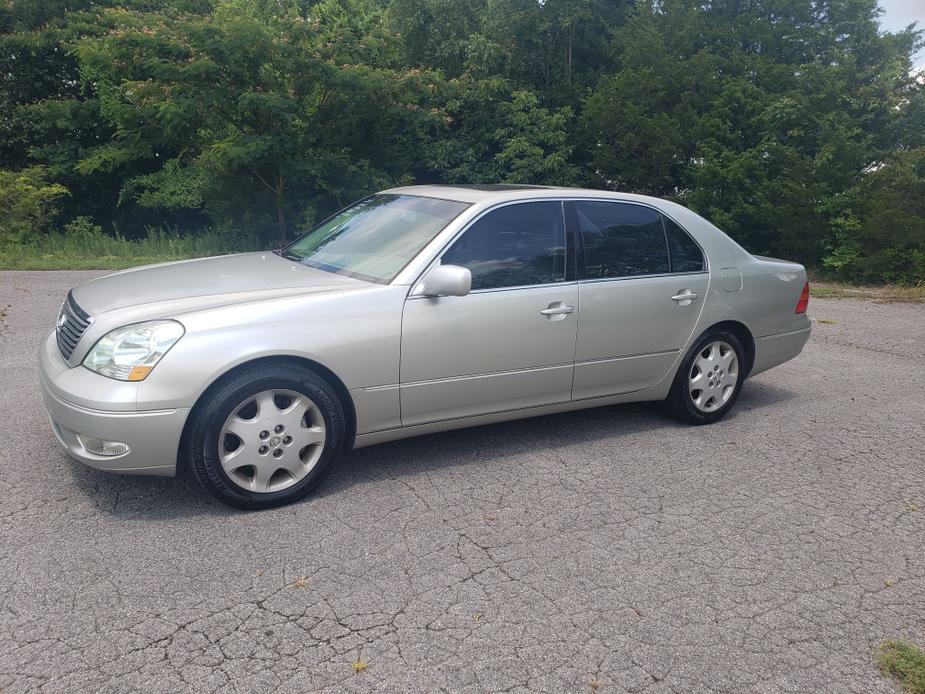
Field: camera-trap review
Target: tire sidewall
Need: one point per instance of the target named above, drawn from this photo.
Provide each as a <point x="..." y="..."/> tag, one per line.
<point x="228" y="396"/>
<point x="680" y="397"/>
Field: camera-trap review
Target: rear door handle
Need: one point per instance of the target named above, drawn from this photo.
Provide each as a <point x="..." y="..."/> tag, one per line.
<point x="684" y="298"/>
<point x="557" y="308"/>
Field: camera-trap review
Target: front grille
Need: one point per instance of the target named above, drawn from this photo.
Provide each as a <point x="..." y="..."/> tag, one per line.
<point x="73" y="321"/>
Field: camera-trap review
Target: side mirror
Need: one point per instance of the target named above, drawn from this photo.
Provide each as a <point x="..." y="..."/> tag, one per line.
<point x="447" y="280"/>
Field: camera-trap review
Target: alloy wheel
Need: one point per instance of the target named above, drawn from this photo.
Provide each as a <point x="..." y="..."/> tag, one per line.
<point x="271" y="440"/>
<point x="713" y="376"/>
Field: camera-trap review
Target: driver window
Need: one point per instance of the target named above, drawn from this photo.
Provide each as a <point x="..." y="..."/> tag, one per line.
<point x="516" y="245"/>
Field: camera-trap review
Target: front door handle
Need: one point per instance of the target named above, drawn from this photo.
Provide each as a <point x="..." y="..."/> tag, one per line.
<point x="557" y="308"/>
<point x="684" y="298"/>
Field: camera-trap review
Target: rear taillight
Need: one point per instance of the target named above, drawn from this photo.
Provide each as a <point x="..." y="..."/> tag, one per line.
<point x="804" y="299"/>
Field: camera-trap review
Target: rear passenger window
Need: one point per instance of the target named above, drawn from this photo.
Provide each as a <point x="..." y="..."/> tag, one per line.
<point x="513" y="246"/>
<point x="686" y="255"/>
<point x="621" y="240"/>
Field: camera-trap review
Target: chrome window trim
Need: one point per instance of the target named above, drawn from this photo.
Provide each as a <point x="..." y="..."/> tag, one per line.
<point x="492" y="290"/>
<point x="595" y="280"/>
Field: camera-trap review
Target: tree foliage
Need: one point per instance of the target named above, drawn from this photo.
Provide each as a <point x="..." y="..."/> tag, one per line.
<point x="27" y="200"/>
<point x="796" y="126"/>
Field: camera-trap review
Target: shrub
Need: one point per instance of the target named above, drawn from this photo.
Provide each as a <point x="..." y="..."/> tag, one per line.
<point x="27" y="204"/>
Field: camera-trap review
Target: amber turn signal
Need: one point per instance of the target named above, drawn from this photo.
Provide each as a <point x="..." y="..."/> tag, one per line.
<point x="139" y="373"/>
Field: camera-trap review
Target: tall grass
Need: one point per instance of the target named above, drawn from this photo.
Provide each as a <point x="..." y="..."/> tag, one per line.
<point x="84" y="246"/>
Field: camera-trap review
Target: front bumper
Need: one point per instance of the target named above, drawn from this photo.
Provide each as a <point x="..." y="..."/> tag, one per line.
<point x="81" y="402"/>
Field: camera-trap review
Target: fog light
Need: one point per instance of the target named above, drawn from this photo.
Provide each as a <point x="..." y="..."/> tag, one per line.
<point x="101" y="447"/>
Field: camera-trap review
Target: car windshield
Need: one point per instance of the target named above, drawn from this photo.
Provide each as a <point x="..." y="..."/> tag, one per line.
<point x="375" y="238"/>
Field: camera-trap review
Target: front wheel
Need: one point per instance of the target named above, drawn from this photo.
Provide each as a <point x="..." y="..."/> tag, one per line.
<point x="265" y="436"/>
<point x="709" y="379"/>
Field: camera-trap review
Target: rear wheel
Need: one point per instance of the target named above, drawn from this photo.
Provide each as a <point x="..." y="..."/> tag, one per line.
<point x="266" y="435"/>
<point x="709" y="380"/>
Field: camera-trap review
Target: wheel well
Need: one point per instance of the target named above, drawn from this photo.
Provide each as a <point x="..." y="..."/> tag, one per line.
<point x="332" y="379"/>
<point x="745" y="337"/>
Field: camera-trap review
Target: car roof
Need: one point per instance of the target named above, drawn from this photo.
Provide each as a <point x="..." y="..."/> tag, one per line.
<point x="492" y="193"/>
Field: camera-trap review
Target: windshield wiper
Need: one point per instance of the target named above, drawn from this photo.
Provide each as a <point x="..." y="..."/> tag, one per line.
<point x="287" y="256"/>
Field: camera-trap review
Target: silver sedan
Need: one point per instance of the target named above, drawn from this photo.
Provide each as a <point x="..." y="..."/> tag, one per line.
<point x="416" y="310"/>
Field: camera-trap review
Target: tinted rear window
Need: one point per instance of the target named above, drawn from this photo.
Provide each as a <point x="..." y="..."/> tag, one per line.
<point x="621" y="240"/>
<point x="685" y="253"/>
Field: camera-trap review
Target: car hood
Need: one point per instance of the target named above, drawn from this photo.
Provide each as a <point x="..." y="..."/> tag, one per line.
<point x="208" y="282"/>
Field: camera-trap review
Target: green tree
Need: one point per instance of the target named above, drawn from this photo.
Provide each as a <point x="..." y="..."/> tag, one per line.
<point x="28" y="204"/>
<point x="880" y="231"/>
<point x="261" y="117"/>
<point x="492" y="135"/>
<point x="534" y="143"/>
<point x="796" y="126"/>
<point x="756" y="123"/>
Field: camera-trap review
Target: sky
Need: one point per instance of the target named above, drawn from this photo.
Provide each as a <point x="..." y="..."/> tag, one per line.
<point x="897" y="14"/>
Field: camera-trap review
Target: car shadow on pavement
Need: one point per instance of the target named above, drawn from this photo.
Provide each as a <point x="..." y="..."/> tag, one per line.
<point x="525" y="437"/>
<point x="165" y="498"/>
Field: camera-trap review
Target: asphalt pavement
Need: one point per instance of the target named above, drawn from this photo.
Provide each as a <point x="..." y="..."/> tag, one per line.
<point x="608" y="550"/>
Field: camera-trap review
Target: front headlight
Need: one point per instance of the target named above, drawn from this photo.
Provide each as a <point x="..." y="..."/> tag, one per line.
<point x="130" y="352"/>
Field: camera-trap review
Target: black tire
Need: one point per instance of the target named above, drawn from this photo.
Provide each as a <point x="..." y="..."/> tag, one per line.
<point x="679" y="402"/>
<point x="201" y="440"/>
